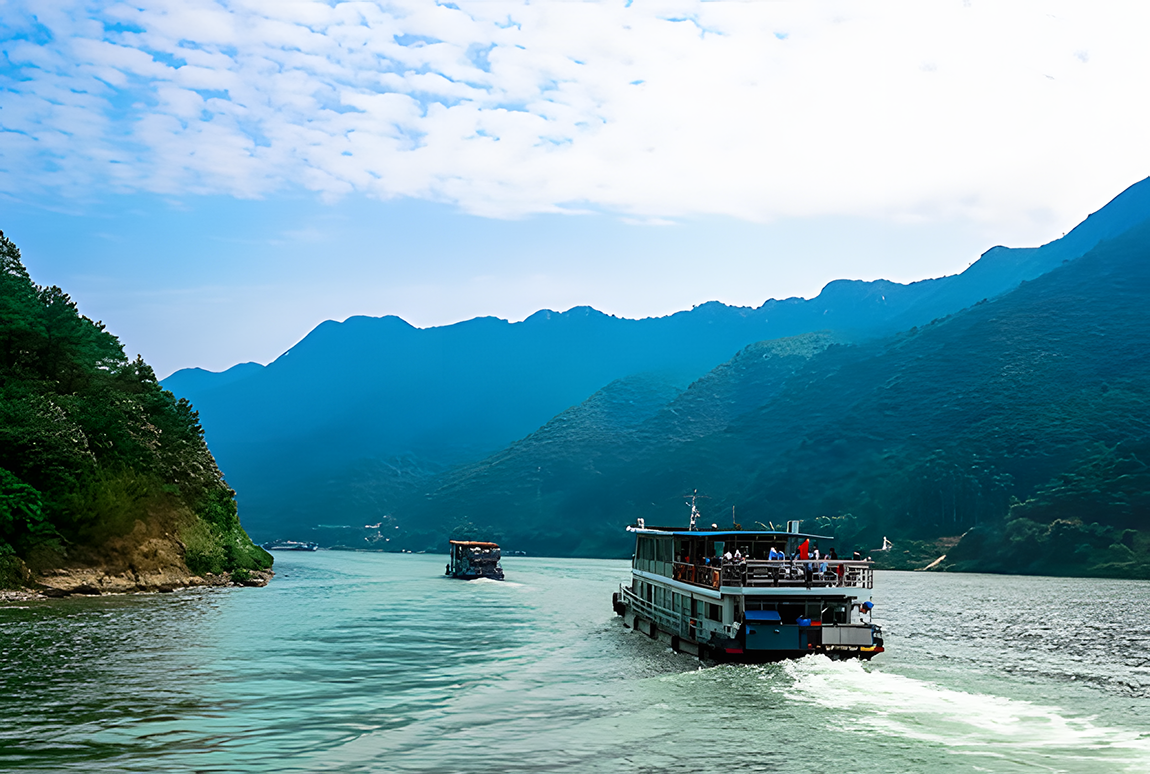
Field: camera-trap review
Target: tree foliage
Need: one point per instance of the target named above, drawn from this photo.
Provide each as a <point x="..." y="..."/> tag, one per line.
<point x="90" y="443"/>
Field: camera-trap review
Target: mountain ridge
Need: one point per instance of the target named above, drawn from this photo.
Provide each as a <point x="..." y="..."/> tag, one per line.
<point x="379" y="388"/>
<point x="1042" y="395"/>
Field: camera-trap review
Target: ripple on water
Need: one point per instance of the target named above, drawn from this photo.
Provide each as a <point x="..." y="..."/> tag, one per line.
<point x="362" y="662"/>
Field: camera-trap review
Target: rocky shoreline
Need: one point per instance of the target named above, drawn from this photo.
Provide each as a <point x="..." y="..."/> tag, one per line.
<point x="95" y="582"/>
<point x="149" y="559"/>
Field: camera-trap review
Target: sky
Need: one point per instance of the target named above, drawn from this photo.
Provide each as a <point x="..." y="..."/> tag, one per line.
<point x="214" y="178"/>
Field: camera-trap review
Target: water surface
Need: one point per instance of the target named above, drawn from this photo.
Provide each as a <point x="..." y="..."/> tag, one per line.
<point x="376" y="662"/>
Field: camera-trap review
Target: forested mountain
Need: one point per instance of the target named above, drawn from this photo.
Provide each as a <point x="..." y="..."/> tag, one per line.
<point x="104" y="475"/>
<point x="356" y="416"/>
<point x="1022" y="423"/>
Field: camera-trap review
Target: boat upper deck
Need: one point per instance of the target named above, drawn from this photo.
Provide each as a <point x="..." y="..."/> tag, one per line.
<point x="742" y="560"/>
<point x="777" y="573"/>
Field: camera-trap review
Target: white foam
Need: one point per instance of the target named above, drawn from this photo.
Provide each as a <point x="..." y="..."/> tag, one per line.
<point x="870" y="700"/>
<point x="488" y="581"/>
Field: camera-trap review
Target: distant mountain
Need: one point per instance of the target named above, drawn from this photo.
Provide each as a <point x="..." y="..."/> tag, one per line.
<point x="1022" y="422"/>
<point x="193" y="380"/>
<point x="296" y="436"/>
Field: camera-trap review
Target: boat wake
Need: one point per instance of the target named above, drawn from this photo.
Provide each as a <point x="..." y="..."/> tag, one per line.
<point x="968" y="723"/>
<point x="492" y="581"/>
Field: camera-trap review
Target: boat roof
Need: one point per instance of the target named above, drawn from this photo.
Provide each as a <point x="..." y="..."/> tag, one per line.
<point x="680" y="532"/>
<point x="475" y="543"/>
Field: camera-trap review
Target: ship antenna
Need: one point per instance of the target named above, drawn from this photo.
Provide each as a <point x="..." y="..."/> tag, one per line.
<point x="694" y="509"/>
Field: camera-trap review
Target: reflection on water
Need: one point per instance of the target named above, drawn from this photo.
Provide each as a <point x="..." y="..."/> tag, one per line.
<point x="374" y="662"/>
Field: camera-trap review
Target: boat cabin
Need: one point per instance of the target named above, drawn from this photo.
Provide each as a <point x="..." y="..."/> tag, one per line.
<point x="471" y="559"/>
<point x="759" y="594"/>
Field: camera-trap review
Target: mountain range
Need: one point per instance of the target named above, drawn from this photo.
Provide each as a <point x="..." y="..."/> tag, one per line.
<point x="372" y="420"/>
<point x="1026" y="417"/>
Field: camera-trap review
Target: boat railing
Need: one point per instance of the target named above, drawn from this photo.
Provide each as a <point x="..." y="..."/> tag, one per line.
<point x="706" y="575"/>
<point x="758" y="573"/>
<point x="685" y="624"/>
<point x="651" y="611"/>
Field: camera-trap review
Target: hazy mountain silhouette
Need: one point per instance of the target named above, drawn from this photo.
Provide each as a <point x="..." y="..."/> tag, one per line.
<point x="379" y="394"/>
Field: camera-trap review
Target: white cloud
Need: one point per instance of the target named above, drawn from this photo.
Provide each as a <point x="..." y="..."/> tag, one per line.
<point x="658" y="110"/>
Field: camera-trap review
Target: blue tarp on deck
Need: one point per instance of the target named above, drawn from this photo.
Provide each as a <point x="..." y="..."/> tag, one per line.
<point x="763" y="615"/>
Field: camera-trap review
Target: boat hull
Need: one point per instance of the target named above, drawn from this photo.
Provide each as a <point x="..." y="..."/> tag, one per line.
<point x="475" y="576"/>
<point x="759" y="643"/>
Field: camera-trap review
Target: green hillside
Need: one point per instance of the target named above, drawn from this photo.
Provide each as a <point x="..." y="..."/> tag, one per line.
<point x="97" y="459"/>
<point x="1022" y="423"/>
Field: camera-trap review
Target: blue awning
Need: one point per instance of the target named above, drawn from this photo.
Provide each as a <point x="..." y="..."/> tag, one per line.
<point x="763" y="615"/>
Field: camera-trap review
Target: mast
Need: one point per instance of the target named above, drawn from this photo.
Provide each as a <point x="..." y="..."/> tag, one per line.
<point x="694" y="509"/>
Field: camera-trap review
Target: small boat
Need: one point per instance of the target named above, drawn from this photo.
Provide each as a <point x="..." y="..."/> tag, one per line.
<point x="740" y="595"/>
<point x="288" y="545"/>
<point x="472" y="559"/>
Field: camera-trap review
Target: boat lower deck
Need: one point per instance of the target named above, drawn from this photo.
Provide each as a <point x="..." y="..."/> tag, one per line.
<point x="760" y="635"/>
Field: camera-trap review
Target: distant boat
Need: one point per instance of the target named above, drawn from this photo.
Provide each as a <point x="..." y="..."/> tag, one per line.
<point x="473" y="559"/>
<point x="289" y="545"/>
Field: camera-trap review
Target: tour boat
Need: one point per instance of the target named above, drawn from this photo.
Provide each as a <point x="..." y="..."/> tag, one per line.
<point x="472" y="559"/>
<point x="719" y="594"/>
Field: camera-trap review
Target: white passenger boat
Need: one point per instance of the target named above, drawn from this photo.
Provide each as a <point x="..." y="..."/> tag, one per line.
<point x="719" y="594"/>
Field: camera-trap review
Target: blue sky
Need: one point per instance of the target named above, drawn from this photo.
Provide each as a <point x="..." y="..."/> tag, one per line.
<point x="213" y="178"/>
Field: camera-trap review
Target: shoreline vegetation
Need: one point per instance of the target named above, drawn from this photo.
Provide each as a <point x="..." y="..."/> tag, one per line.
<point x="106" y="483"/>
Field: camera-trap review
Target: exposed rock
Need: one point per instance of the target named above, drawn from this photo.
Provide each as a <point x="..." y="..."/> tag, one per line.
<point x="148" y="559"/>
<point x="19" y="595"/>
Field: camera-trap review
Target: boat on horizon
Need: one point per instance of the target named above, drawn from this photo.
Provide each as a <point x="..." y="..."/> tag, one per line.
<point x="474" y="559"/>
<point x="288" y="545"/>
<point x="741" y="595"/>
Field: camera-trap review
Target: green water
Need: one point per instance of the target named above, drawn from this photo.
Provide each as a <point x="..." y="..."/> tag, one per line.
<point x="375" y="662"/>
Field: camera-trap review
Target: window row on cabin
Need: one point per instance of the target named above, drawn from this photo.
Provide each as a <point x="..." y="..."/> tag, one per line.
<point x="684" y="604"/>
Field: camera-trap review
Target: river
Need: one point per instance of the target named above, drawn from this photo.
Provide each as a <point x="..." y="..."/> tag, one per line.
<point x="377" y="663"/>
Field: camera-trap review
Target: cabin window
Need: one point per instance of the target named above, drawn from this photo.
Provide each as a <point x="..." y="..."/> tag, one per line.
<point x="791" y="612"/>
<point x="662" y="564"/>
<point x="714" y="612"/>
<point x="758" y="604"/>
<point x="836" y="612"/>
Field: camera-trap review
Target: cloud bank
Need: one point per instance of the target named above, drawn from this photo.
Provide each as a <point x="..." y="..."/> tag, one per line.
<point x="650" y="110"/>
